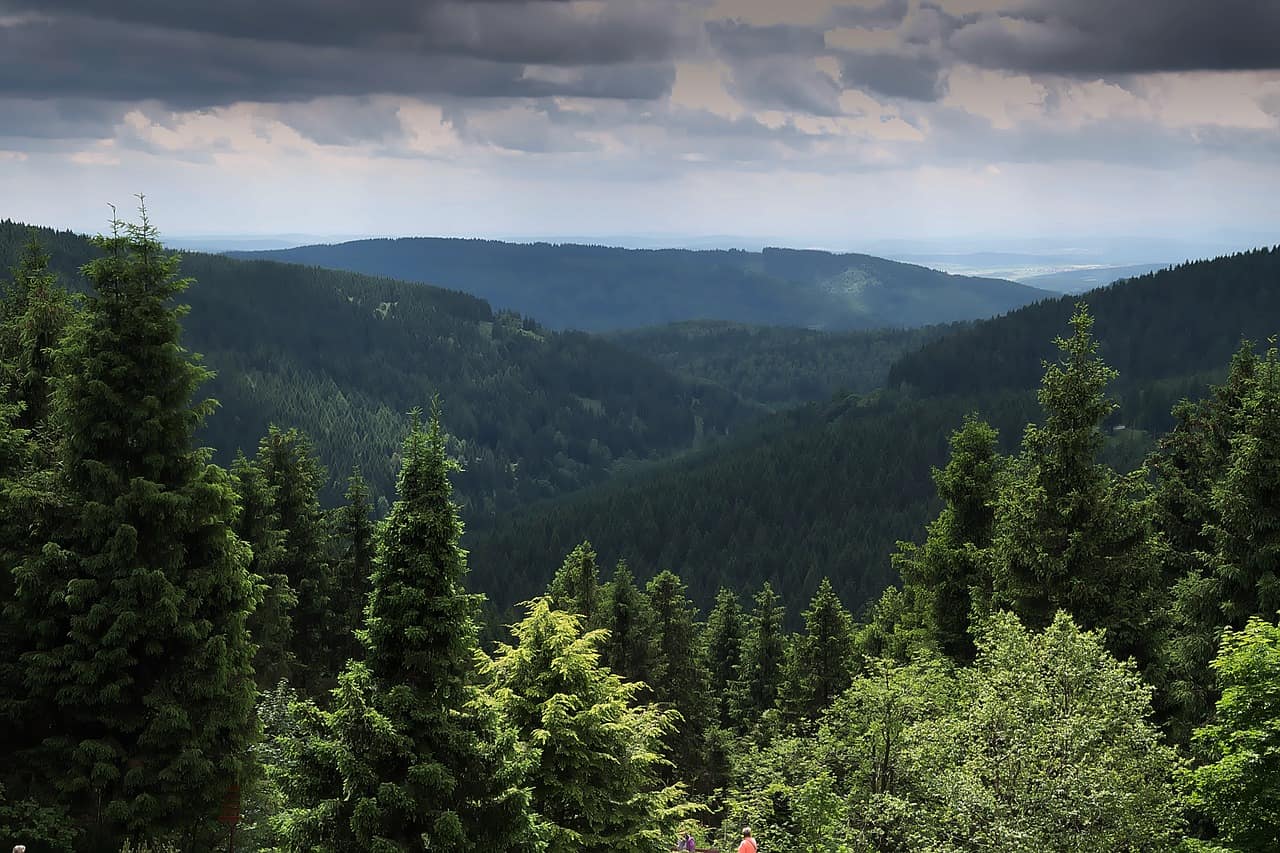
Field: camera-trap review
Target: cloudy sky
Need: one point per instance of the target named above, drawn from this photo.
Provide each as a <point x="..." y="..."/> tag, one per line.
<point x="809" y="122"/>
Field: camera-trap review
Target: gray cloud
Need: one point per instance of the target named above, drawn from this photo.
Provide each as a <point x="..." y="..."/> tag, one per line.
<point x="737" y="39"/>
<point x="886" y="15"/>
<point x="1134" y="36"/>
<point x="786" y="83"/>
<point x="917" y="78"/>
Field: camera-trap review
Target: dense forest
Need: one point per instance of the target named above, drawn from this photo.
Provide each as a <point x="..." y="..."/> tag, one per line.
<point x="832" y="490"/>
<point x="342" y="356"/>
<point x="778" y="366"/>
<point x="599" y="288"/>
<point x="1077" y="658"/>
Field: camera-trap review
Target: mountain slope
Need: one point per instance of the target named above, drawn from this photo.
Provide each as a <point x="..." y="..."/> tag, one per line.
<point x="827" y="490"/>
<point x="777" y="366"/>
<point x="598" y="288"/>
<point x="345" y="356"/>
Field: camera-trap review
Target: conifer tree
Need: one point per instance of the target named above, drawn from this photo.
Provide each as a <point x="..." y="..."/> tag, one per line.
<point x="425" y="762"/>
<point x="594" y="749"/>
<point x="353" y="567"/>
<point x="271" y="623"/>
<point x="820" y="665"/>
<point x="631" y="648"/>
<point x="763" y="652"/>
<point x="136" y="655"/>
<point x="576" y="585"/>
<point x="723" y="643"/>
<point x="1070" y="533"/>
<point x="34" y="313"/>
<point x="683" y="664"/>
<point x="294" y="478"/>
<point x="950" y="569"/>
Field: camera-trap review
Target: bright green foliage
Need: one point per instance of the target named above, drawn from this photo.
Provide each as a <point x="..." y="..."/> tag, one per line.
<point x="1239" y="783"/>
<point x="949" y="573"/>
<point x="896" y="627"/>
<point x="34" y="313"/>
<point x="1050" y="748"/>
<point x="271" y="623"/>
<point x="1070" y="533"/>
<point x="821" y="661"/>
<point x="409" y="757"/>
<point x="594" y="749"/>
<point x="294" y="478"/>
<point x="631" y="647"/>
<point x="354" y="537"/>
<point x="723" y="642"/>
<point x="763" y="652"/>
<point x="683" y="664"/>
<point x="576" y="585"/>
<point x="137" y="659"/>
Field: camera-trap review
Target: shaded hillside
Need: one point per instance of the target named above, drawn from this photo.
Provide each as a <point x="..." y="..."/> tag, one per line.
<point x="1178" y="321"/>
<point x="598" y="288"/>
<point x="344" y="356"/>
<point x="778" y="366"/>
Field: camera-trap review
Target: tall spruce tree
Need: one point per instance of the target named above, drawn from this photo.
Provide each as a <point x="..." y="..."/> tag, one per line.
<point x="683" y="664"/>
<point x="631" y="648"/>
<point x="594" y="748"/>
<point x="949" y="574"/>
<point x="35" y="311"/>
<point x="821" y="662"/>
<point x="354" y="532"/>
<point x="576" y="585"/>
<point x="763" y="652"/>
<point x="1069" y="532"/>
<point x="424" y="762"/>
<point x="136" y="656"/>
<point x="294" y="478"/>
<point x="271" y="623"/>
<point x="723" y="644"/>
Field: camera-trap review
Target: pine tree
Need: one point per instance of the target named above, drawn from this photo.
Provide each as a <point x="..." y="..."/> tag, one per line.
<point x="34" y="313"/>
<point x="631" y="649"/>
<point x="723" y="643"/>
<point x="137" y="656"/>
<point x="576" y="585"/>
<point x="949" y="570"/>
<point x="820" y="665"/>
<point x="763" y="652"/>
<point x="594" y="749"/>
<point x="271" y="623"/>
<point x="294" y="477"/>
<point x="353" y="567"/>
<point x="683" y="664"/>
<point x="424" y="760"/>
<point x="1070" y="533"/>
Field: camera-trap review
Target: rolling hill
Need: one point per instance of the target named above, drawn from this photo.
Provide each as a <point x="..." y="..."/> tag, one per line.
<point x="344" y="356"/>
<point x="597" y="288"/>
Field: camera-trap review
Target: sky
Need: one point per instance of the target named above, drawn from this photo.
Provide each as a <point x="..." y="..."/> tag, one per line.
<point x="969" y="124"/>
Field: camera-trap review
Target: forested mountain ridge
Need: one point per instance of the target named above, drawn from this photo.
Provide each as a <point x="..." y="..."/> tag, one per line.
<point x="599" y="288"/>
<point x="342" y="356"/>
<point x="1178" y="321"/>
<point x="778" y="366"/>
<point x="830" y="493"/>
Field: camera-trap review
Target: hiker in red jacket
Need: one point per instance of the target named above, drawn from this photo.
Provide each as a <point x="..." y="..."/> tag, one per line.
<point x="748" y="844"/>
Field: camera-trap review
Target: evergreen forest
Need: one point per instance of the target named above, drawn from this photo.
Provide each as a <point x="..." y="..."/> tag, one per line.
<point x="966" y="617"/>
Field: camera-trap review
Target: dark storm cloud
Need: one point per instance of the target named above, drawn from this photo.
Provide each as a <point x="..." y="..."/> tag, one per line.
<point x="737" y="39"/>
<point x="1123" y="36"/>
<point x="887" y="15"/>
<point x="23" y="118"/>
<point x="793" y="84"/>
<point x="916" y="78"/>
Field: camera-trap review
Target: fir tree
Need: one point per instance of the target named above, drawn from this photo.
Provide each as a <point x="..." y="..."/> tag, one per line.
<point x="34" y="313"/>
<point x="294" y="478"/>
<point x="683" y="664"/>
<point x="137" y="656"/>
<point x="631" y="647"/>
<point x="763" y="652"/>
<point x="820" y="665"/>
<point x="271" y="623"/>
<point x="353" y="568"/>
<point x="576" y="585"/>
<point x="723" y="643"/>
<point x="949" y="570"/>
<point x="425" y="762"/>
<point x="1070" y="533"/>
<point x="594" y="749"/>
